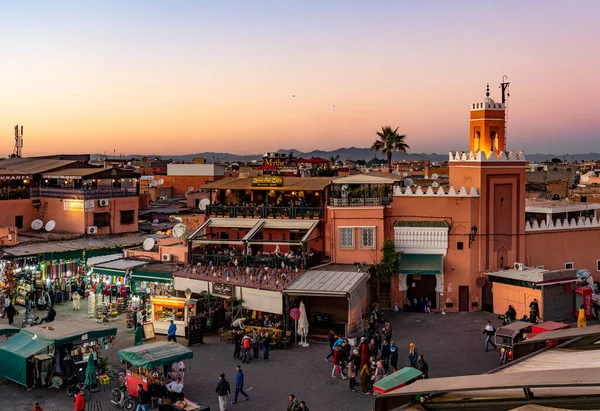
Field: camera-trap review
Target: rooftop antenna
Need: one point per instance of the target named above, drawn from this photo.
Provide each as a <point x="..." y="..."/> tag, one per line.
<point x="505" y="95"/>
<point x="18" y="141"/>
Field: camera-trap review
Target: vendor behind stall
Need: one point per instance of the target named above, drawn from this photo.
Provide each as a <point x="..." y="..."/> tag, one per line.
<point x="175" y="389"/>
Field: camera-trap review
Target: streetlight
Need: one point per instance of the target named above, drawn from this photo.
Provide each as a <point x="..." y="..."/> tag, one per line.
<point x="188" y="294"/>
<point x="472" y="234"/>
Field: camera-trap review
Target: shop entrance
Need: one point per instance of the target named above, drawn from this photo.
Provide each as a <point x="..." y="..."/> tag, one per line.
<point x="463" y="298"/>
<point x="421" y="286"/>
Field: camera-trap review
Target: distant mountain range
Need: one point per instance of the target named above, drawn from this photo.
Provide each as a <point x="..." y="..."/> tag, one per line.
<point x="350" y="153"/>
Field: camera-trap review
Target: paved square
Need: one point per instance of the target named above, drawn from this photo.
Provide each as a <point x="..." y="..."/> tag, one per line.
<point x="452" y="345"/>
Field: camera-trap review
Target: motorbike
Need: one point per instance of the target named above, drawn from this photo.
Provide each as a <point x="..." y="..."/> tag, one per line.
<point x="74" y="385"/>
<point x="378" y="316"/>
<point x="121" y="398"/>
<point x="30" y="320"/>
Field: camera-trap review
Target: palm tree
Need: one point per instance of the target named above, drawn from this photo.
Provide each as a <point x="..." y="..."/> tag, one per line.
<point x="333" y="160"/>
<point x="390" y="141"/>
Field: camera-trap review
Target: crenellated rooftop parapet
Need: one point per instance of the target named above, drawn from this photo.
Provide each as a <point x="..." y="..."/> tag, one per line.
<point x="487" y="105"/>
<point x="481" y="156"/>
<point x="572" y="224"/>
<point x="435" y="192"/>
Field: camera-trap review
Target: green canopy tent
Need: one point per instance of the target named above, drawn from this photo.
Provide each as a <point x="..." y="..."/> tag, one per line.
<point x="8" y="330"/>
<point x="396" y="380"/>
<point x="155" y="354"/>
<point x="91" y="381"/>
<point x="15" y="352"/>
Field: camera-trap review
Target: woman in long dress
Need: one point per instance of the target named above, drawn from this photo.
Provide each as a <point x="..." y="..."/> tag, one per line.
<point x="76" y="301"/>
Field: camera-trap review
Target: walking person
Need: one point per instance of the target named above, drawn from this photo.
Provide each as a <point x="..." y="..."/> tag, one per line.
<point x="239" y="385"/>
<point x="138" y="335"/>
<point x="423" y="367"/>
<point x="80" y="401"/>
<point x="388" y="327"/>
<point x="223" y="390"/>
<point x="246" y="348"/>
<point x="237" y="341"/>
<point x="293" y="404"/>
<point x="365" y="378"/>
<point x="37" y="407"/>
<point x="332" y="338"/>
<point x="266" y="346"/>
<point x="171" y="332"/>
<point x="352" y="375"/>
<point x="385" y="355"/>
<point x="76" y="301"/>
<point x="394" y="356"/>
<point x="255" y="342"/>
<point x="303" y="406"/>
<point x="413" y="355"/>
<point x="143" y="399"/>
<point x="364" y="352"/>
<point x="489" y="332"/>
<point x="337" y="363"/>
<point x="10" y="312"/>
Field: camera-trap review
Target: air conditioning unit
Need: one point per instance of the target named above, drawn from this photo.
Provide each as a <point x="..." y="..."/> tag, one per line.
<point x="91" y="230"/>
<point x="103" y="203"/>
<point x="166" y="257"/>
<point x="519" y="266"/>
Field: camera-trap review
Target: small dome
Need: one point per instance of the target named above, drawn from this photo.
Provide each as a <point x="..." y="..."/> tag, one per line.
<point x="488" y="100"/>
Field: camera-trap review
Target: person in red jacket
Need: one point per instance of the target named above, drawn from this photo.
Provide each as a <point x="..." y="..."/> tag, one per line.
<point x="337" y="363"/>
<point x="36" y="407"/>
<point x="364" y="353"/>
<point x="80" y="401"/>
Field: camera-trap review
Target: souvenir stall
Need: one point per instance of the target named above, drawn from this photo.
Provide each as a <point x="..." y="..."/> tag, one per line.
<point x="155" y="280"/>
<point x="52" y="353"/>
<point x="154" y="365"/>
<point x="165" y="309"/>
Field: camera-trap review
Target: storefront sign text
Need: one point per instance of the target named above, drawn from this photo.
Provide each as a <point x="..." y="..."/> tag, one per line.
<point x="267" y="181"/>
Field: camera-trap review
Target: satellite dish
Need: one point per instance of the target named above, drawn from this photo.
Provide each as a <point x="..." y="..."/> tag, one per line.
<point x="153" y="183"/>
<point x="149" y="244"/>
<point x="408" y="182"/>
<point x="155" y="221"/>
<point x="50" y="225"/>
<point x="37" y="225"/>
<point x="435" y="184"/>
<point x="434" y="176"/>
<point x="203" y="203"/>
<point x="405" y="174"/>
<point x="129" y="163"/>
<point x="179" y="230"/>
<point x="161" y="182"/>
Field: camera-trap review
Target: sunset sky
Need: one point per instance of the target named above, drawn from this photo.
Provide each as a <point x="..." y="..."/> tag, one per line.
<point x="177" y="77"/>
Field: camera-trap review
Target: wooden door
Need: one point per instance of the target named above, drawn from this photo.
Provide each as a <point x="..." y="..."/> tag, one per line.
<point x="463" y="298"/>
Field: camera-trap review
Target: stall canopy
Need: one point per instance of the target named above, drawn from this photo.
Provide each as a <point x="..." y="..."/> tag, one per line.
<point x="30" y="341"/>
<point x="8" y="329"/>
<point x="420" y="264"/>
<point x="118" y="267"/>
<point x="396" y="380"/>
<point x="155" y="354"/>
<point x="327" y="283"/>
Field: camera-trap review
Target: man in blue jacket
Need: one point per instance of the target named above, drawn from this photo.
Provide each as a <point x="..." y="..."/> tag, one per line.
<point x="239" y="385"/>
<point x="171" y="332"/>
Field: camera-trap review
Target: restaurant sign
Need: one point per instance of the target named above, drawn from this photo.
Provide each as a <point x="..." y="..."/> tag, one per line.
<point x="222" y="290"/>
<point x="15" y="177"/>
<point x="78" y="205"/>
<point x="267" y="181"/>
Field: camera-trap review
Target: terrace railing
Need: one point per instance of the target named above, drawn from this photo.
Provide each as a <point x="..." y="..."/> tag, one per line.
<point x="360" y="202"/>
<point x="264" y="212"/>
<point x="220" y="260"/>
<point x="83" y="193"/>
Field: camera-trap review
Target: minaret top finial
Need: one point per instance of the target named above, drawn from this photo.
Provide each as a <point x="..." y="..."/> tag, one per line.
<point x="487" y="94"/>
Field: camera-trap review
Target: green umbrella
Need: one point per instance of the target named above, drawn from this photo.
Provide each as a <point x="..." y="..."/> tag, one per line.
<point x="91" y="381"/>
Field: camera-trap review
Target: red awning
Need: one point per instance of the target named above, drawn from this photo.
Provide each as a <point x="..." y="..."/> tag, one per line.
<point x="267" y="167"/>
<point x="316" y="160"/>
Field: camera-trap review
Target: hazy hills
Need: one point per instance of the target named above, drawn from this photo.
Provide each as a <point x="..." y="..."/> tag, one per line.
<point x="349" y="153"/>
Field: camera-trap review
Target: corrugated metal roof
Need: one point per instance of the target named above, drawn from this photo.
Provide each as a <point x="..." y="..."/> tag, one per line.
<point x="84" y="243"/>
<point x="34" y="165"/>
<point x="533" y="275"/>
<point x="322" y="282"/>
<point x="122" y="264"/>
<point x="415" y="223"/>
<point x="103" y="259"/>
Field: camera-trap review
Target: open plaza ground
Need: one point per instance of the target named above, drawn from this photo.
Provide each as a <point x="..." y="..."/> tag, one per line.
<point x="452" y="344"/>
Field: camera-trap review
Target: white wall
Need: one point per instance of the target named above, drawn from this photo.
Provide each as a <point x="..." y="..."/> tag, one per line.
<point x="195" y="170"/>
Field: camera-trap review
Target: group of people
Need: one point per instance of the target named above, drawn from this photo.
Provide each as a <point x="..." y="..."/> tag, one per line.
<point x="421" y="305"/>
<point x="247" y="345"/>
<point x="223" y="389"/>
<point x="375" y="357"/>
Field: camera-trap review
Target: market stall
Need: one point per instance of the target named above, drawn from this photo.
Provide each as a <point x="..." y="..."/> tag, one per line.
<point x="153" y="279"/>
<point x="153" y="366"/>
<point x="36" y="354"/>
<point x="165" y="309"/>
<point x="8" y="330"/>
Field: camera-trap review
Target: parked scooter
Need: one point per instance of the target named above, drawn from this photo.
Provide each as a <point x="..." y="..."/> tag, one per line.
<point x="120" y="396"/>
<point x="74" y="385"/>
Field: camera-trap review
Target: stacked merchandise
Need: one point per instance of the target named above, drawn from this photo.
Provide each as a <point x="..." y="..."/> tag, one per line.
<point x="24" y="287"/>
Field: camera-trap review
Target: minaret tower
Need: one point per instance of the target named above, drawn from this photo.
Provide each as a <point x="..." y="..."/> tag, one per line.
<point x="487" y="125"/>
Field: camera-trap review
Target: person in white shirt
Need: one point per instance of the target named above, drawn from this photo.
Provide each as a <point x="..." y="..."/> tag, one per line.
<point x="175" y="389"/>
<point x="239" y="323"/>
